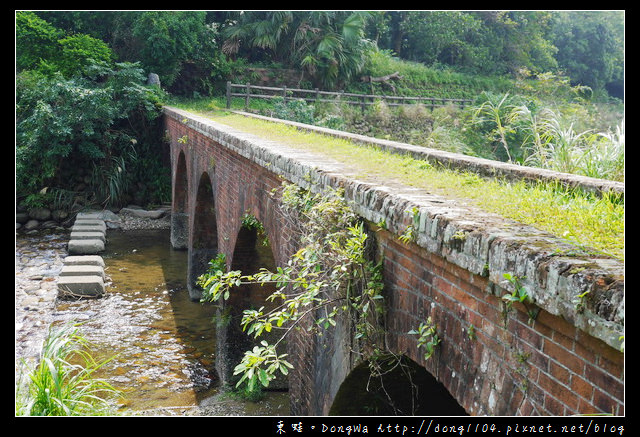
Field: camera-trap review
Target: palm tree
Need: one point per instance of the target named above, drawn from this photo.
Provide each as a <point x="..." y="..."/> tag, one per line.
<point x="328" y="45"/>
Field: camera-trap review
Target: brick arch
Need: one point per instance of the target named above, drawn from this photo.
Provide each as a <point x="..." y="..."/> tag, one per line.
<point x="180" y="214"/>
<point x="203" y="246"/>
<point x="400" y="387"/>
<point x="252" y="251"/>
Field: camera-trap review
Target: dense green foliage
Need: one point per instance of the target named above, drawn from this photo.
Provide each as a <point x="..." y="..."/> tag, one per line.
<point x="77" y="110"/>
<point x="182" y="47"/>
<point x="67" y="124"/>
<point x="587" y="45"/>
<point x="489" y="42"/>
<point x="42" y="47"/>
<point x="530" y="60"/>
<point x="328" y="46"/>
<point x="333" y="47"/>
<point x="590" y="48"/>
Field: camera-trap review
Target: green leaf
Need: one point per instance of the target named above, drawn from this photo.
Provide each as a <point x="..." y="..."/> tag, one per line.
<point x="264" y="377"/>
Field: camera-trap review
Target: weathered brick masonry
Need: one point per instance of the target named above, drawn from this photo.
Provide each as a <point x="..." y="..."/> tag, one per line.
<point x="567" y="361"/>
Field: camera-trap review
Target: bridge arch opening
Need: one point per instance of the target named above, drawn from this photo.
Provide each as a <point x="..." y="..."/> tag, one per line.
<point x="204" y="246"/>
<point x="252" y="252"/>
<point x="179" y="215"/>
<point x="395" y="386"/>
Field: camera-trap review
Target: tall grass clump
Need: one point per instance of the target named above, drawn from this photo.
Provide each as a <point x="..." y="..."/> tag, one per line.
<point x="62" y="382"/>
<point x="555" y="144"/>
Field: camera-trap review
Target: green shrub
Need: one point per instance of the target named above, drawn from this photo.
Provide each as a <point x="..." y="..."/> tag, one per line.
<point x="293" y="110"/>
<point x="79" y="52"/>
<point x="35" y="40"/>
<point x="78" y="123"/>
<point x="42" y="47"/>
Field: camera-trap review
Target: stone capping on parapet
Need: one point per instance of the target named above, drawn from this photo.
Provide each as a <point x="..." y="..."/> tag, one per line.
<point x="555" y="273"/>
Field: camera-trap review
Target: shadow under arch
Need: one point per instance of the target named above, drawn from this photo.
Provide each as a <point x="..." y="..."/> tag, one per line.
<point x="179" y="215"/>
<point x="399" y="387"/>
<point x="204" y="245"/>
<point x="251" y="253"/>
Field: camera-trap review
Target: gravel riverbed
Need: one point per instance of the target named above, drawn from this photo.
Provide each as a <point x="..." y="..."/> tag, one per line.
<point x="39" y="259"/>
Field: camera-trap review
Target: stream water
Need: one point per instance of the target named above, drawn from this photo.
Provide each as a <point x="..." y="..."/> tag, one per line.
<point x="161" y="343"/>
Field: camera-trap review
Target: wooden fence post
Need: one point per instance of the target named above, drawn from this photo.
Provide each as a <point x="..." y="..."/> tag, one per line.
<point x="228" y="94"/>
<point x="246" y="99"/>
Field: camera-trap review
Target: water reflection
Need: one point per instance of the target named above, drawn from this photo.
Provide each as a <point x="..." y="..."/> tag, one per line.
<point x="162" y="342"/>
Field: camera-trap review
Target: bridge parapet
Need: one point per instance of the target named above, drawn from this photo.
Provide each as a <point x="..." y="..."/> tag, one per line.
<point x="481" y="166"/>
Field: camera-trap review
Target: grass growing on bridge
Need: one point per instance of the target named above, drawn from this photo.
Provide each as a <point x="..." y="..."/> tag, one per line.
<point x="595" y="224"/>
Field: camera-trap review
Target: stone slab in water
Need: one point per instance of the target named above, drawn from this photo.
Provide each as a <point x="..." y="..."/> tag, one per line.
<point x="89" y="219"/>
<point x="76" y="235"/>
<point x="94" y="215"/>
<point x="110" y="219"/>
<point x="88" y="260"/>
<point x="89" y="228"/>
<point x="143" y="213"/>
<point x="94" y="224"/>
<point x="81" y="286"/>
<point x="85" y="247"/>
<point x="82" y="270"/>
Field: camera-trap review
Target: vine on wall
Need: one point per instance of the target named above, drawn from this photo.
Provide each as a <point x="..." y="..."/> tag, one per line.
<point x="331" y="275"/>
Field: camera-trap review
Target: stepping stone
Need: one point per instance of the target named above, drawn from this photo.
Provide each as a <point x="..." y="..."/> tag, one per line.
<point x="92" y="224"/>
<point x="87" y="260"/>
<point x="80" y="286"/>
<point x="88" y="228"/>
<point x="153" y="214"/>
<point x="110" y="219"/>
<point x="85" y="247"/>
<point x="89" y="221"/>
<point x="87" y="236"/>
<point x="82" y="270"/>
<point x="89" y="215"/>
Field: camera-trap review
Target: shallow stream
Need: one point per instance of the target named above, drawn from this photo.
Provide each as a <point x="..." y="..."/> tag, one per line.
<point x="162" y="344"/>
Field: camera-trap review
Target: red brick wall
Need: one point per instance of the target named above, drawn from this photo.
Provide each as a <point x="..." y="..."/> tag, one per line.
<point x="508" y="366"/>
<point x="238" y="185"/>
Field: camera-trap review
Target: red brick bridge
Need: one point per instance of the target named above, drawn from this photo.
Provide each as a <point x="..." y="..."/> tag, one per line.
<point x="566" y="362"/>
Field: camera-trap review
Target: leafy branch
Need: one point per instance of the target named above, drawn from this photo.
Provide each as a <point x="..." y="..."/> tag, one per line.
<point x="329" y="276"/>
<point x="427" y="337"/>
